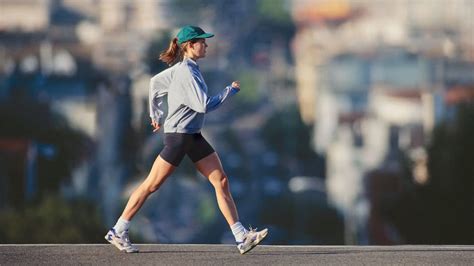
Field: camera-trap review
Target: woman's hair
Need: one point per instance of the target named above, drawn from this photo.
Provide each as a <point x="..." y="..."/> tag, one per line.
<point x="175" y="52"/>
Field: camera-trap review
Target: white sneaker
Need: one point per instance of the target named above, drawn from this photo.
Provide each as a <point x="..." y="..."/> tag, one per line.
<point x="251" y="240"/>
<point x="122" y="242"/>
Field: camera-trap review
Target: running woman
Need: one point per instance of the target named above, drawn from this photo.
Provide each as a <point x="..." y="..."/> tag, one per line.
<point x="188" y="103"/>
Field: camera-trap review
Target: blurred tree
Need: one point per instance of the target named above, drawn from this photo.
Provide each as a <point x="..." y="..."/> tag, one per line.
<point x="285" y="133"/>
<point x="311" y="220"/>
<point x="193" y="9"/>
<point x="52" y="221"/>
<point x="159" y="43"/>
<point x="451" y="171"/>
<point x="23" y="118"/>
<point x="275" y="10"/>
<point x="250" y="95"/>
<point x="272" y="26"/>
<point x="441" y="211"/>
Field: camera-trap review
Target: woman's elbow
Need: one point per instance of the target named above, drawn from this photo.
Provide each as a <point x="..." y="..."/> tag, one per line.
<point x="201" y="109"/>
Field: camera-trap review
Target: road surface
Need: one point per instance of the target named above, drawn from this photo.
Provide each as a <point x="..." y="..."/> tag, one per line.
<point x="163" y="254"/>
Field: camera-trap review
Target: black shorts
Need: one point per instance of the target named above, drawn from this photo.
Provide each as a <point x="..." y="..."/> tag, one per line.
<point x="179" y="144"/>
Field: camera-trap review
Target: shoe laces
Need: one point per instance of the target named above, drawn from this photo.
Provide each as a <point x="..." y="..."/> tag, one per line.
<point x="250" y="234"/>
<point x="252" y="229"/>
<point x="125" y="237"/>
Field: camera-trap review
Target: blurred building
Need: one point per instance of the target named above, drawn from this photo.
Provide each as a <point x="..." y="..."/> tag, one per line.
<point x="125" y="28"/>
<point x="25" y="15"/>
<point x="327" y="28"/>
<point x="373" y="78"/>
<point x="135" y="15"/>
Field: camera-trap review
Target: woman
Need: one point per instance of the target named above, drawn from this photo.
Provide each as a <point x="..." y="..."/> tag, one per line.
<point x="188" y="102"/>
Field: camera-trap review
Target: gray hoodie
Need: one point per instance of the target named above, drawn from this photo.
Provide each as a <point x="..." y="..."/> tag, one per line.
<point x="187" y="97"/>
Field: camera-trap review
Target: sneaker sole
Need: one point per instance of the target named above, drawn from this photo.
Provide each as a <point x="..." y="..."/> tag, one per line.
<point x="256" y="243"/>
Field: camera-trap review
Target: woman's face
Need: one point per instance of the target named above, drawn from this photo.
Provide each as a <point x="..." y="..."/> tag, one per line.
<point x="198" y="49"/>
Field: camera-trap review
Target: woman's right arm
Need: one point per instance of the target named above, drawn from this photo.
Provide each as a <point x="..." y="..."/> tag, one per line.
<point x="195" y="92"/>
<point x="159" y="85"/>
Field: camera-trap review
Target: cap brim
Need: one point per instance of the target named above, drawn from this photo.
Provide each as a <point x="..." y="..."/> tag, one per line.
<point x="205" y="35"/>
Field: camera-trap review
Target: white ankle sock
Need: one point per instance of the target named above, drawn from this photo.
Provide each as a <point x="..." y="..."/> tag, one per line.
<point x="239" y="231"/>
<point x="121" y="225"/>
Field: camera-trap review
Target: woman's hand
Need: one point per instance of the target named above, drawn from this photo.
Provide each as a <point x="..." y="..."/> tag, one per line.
<point x="236" y="85"/>
<point x="155" y="125"/>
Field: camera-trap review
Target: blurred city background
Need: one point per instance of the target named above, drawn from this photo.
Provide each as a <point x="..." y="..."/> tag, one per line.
<point x="354" y="126"/>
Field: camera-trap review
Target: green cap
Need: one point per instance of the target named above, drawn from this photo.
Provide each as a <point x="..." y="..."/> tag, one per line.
<point x="189" y="32"/>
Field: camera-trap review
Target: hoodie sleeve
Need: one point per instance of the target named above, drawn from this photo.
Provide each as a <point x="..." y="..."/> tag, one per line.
<point x="195" y="92"/>
<point x="159" y="85"/>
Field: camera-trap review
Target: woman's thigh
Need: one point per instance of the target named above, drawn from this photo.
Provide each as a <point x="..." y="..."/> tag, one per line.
<point x="210" y="166"/>
<point x="160" y="170"/>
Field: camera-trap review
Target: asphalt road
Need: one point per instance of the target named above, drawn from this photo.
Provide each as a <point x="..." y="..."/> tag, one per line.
<point x="228" y="255"/>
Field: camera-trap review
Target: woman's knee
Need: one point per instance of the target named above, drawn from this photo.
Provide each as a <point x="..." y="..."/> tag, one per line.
<point x="159" y="173"/>
<point x="150" y="186"/>
<point x="219" y="180"/>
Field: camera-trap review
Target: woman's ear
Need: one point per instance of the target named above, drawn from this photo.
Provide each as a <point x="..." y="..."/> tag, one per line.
<point x="188" y="45"/>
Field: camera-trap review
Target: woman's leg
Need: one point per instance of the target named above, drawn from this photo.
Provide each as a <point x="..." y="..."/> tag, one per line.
<point x="211" y="167"/>
<point x="160" y="170"/>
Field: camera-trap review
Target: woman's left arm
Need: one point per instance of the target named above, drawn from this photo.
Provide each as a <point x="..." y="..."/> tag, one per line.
<point x="215" y="101"/>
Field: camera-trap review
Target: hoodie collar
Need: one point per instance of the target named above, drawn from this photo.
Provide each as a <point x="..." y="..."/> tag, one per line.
<point x="191" y="60"/>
